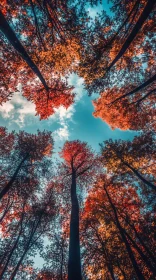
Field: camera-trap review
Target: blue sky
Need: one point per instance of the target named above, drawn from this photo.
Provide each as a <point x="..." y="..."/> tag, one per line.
<point x="76" y="122"/>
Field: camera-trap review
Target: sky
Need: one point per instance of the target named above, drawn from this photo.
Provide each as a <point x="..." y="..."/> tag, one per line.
<point x="77" y="122"/>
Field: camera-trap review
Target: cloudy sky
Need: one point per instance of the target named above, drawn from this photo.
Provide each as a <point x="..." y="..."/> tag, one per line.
<point x="76" y="122"/>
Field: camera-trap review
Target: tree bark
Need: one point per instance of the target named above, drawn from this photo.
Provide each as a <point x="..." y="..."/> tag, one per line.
<point x="8" y="186"/>
<point x="74" y="262"/>
<point x="147" y="10"/>
<point x="127" y="245"/>
<point x="12" y="38"/>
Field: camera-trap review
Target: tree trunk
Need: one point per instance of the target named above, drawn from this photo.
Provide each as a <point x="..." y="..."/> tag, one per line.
<point x="7" y="208"/>
<point x="105" y="253"/>
<point x="12" y="38"/>
<point x="139" y="175"/>
<point x="12" y="277"/>
<point x="150" y="254"/>
<point x="62" y="260"/>
<point x="27" y="247"/>
<point x="74" y="262"/>
<point x="142" y="255"/>
<point x="8" y="186"/>
<point x="123" y="24"/>
<point x="147" y="10"/>
<point x="11" y="253"/>
<point x="122" y="271"/>
<point x="127" y="245"/>
<point x="142" y="86"/>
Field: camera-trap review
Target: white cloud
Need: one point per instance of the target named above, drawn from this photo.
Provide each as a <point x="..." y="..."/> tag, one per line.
<point x="63" y="116"/>
<point x="17" y="109"/>
<point x="66" y="115"/>
<point x="6" y="109"/>
<point x="62" y="133"/>
<point x="22" y="112"/>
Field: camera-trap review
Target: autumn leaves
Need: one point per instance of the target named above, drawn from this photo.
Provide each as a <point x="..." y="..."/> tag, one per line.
<point x="43" y="42"/>
<point x="101" y="205"/>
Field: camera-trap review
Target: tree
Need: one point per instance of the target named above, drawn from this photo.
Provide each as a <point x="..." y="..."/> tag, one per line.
<point x="134" y="158"/>
<point x="116" y="42"/>
<point x="39" y="47"/>
<point x="79" y="163"/>
<point x="26" y="231"/>
<point x="29" y="153"/>
<point x="111" y="214"/>
<point x="133" y="112"/>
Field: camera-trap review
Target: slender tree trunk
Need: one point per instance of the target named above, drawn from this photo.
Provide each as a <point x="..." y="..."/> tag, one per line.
<point x="74" y="262"/>
<point x="123" y="24"/>
<point x="15" y="243"/>
<point x="122" y="271"/>
<point x="6" y="210"/>
<point x="62" y="259"/>
<point x="33" y="230"/>
<point x="8" y="186"/>
<point x="105" y="253"/>
<point x="11" y="253"/>
<point x="12" y="38"/>
<point x="127" y="245"/>
<point x="142" y="255"/>
<point x="147" y="10"/>
<point x="142" y="86"/>
<point x="139" y="175"/>
<point x="12" y="277"/>
<point x="151" y="256"/>
<point x="144" y="97"/>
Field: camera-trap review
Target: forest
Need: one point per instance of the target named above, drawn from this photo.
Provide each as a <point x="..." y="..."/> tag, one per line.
<point x="69" y="210"/>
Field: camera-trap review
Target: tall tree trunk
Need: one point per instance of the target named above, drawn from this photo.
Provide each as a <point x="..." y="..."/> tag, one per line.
<point x="148" y="251"/>
<point x="147" y="10"/>
<point x="74" y="262"/>
<point x="142" y="86"/>
<point x="27" y="247"/>
<point x="123" y="24"/>
<point x="62" y="260"/>
<point x="105" y="253"/>
<point x="122" y="271"/>
<point x="8" y="186"/>
<point x="12" y="277"/>
<point x="12" y="38"/>
<point x="127" y="245"/>
<point x="139" y="175"/>
<point x="142" y="255"/>
<point x="11" y="253"/>
<point x="7" y="208"/>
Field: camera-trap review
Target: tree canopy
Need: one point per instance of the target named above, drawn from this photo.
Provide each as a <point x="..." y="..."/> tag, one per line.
<point x="75" y="213"/>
